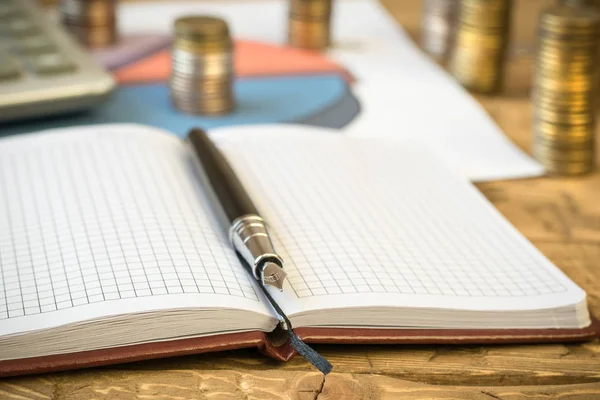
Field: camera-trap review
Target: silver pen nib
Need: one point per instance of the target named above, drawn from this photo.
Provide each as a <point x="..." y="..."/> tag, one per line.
<point x="273" y="275"/>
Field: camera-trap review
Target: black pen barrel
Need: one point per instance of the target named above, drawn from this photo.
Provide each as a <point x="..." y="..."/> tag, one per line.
<point x="229" y="190"/>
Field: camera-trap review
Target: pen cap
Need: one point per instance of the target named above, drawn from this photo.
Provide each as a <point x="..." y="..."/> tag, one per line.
<point x="229" y="190"/>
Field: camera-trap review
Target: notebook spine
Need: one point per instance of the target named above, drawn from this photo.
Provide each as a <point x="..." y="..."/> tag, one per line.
<point x="141" y="352"/>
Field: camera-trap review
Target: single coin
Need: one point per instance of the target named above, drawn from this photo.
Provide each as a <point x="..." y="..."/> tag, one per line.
<point x="575" y="131"/>
<point x="319" y="8"/>
<point x="565" y="145"/>
<point x="572" y="19"/>
<point x="555" y="157"/>
<point x="94" y="36"/>
<point x="309" y="34"/>
<point x="201" y="28"/>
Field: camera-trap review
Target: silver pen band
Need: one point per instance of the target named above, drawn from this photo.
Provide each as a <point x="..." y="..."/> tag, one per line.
<point x="249" y="236"/>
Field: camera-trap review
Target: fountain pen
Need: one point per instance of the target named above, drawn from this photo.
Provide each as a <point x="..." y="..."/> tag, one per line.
<point x="248" y="232"/>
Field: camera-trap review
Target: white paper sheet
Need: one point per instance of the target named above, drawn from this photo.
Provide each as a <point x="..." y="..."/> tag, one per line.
<point x="402" y="92"/>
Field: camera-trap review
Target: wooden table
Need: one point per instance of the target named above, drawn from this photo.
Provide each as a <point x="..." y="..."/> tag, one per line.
<point x="560" y="216"/>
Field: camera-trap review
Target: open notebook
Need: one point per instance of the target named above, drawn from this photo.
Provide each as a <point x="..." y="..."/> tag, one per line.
<point x="110" y="249"/>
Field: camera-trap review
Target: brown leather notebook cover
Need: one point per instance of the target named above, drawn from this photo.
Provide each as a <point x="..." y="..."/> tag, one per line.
<point x="284" y="352"/>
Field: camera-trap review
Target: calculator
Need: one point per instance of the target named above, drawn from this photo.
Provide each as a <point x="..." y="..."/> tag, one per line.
<point x="43" y="70"/>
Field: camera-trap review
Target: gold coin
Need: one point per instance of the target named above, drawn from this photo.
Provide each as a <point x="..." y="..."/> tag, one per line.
<point x="569" y="52"/>
<point x="561" y="96"/>
<point x="222" y="103"/>
<point x="200" y="28"/>
<point x="195" y="90"/>
<point x="543" y="106"/>
<point x="565" y="168"/>
<point x="568" y="48"/>
<point x="474" y="40"/>
<point x="571" y="130"/>
<point x="489" y="25"/>
<point x="565" y="67"/>
<point x="200" y="93"/>
<point x="546" y="76"/>
<point x="560" y="17"/>
<point x="313" y="35"/>
<point x="484" y="13"/>
<point x="318" y="8"/>
<point x="202" y="102"/>
<point x="564" y="118"/>
<point x="543" y="109"/>
<point x="571" y="170"/>
<point x="559" y="155"/>
<point x="564" y="135"/>
<point x="580" y="41"/>
<point x="565" y="145"/>
<point x="94" y="36"/>
<point x="206" y="81"/>
<point x="567" y="34"/>
<point x="204" y="108"/>
<point x="563" y="156"/>
<point x="198" y="47"/>
<point x="553" y="79"/>
<point x="574" y="86"/>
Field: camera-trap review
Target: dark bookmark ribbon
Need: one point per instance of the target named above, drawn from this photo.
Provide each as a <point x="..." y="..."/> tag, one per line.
<point x="297" y="344"/>
<point x="302" y="348"/>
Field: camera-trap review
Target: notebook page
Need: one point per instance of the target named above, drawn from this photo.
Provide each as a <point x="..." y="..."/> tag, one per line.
<point x="366" y="222"/>
<point x="108" y="220"/>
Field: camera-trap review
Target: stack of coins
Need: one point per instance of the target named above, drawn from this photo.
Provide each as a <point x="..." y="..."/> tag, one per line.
<point x="93" y="22"/>
<point x="478" y="55"/>
<point x="310" y="24"/>
<point x="202" y="68"/>
<point x="437" y="27"/>
<point x="564" y="90"/>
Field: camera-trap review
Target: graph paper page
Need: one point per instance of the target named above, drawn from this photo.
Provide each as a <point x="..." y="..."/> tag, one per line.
<point x="367" y="222"/>
<point x="108" y="220"/>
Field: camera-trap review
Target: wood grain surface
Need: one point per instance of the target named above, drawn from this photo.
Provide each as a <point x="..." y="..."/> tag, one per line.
<point x="560" y="216"/>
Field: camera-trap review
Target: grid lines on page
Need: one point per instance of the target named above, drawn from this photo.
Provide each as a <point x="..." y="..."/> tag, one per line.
<point x="89" y="221"/>
<point x="349" y="218"/>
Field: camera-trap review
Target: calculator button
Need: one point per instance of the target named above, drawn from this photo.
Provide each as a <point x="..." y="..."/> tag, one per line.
<point x="8" y="10"/>
<point x="52" y="63"/>
<point x="21" y="27"/>
<point x="9" y="68"/>
<point x="4" y="30"/>
<point x="36" y="45"/>
<point x="5" y="45"/>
